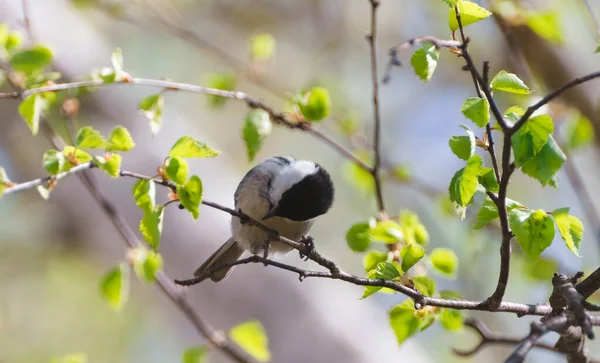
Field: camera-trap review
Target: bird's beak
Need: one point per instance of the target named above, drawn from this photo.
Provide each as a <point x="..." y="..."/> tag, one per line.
<point x="270" y="213"/>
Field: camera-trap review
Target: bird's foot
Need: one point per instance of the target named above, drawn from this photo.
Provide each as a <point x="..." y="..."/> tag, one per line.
<point x="310" y="247"/>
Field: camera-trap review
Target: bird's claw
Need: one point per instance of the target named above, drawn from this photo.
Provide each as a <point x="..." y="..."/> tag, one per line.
<point x="310" y="247"/>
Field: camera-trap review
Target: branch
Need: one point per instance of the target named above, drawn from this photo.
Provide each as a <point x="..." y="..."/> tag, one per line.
<point x="565" y="296"/>
<point x="538" y="330"/>
<point x="589" y="285"/>
<point x="372" y="39"/>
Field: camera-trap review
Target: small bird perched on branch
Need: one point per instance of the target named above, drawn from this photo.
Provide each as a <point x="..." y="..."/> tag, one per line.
<point x="282" y="193"/>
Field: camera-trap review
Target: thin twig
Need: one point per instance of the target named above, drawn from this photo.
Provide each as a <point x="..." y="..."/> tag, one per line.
<point x="26" y="21"/>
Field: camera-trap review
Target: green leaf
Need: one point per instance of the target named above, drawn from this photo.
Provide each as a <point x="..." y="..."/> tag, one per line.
<point x="477" y="110"/>
<point x="262" y="46"/>
<point x="115" y="287"/>
<point x="31" y="59"/>
<point x="257" y="126"/>
<point x="188" y="147"/>
<point x="413" y="230"/>
<point x="426" y="285"/>
<point x="489" y="211"/>
<point x="546" y="163"/>
<point x="151" y="225"/>
<point x="579" y="132"/>
<point x="110" y="163"/>
<point x="116" y="59"/>
<point x="509" y="82"/>
<point x="444" y="260"/>
<point x="54" y="161"/>
<point x="464" y="183"/>
<point x="488" y="180"/>
<point x="546" y="24"/>
<point x="176" y="169"/>
<point x="74" y="156"/>
<point x="120" y="140"/>
<point x="570" y="228"/>
<point x="316" y="104"/>
<point x="223" y="81"/>
<point x="251" y="337"/>
<point x="470" y="13"/>
<point x="152" y="108"/>
<point x="411" y="254"/>
<point x="195" y="355"/>
<point x="403" y="320"/>
<point x="540" y="270"/>
<point x="370" y="290"/>
<point x="372" y="258"/>
<point x="424" y="61"/>
<point x="71" y="358"/>
<point x="450" y="295"/>
<point x="358" y="237"/>
<point x="31" y="109"/>
<point x="383" y="271"/>
<point x="4" y="181"/>
<point x="451" y="319"/>
<point x="387" y="231"/>
<point x="359" y="177"/>
<point x="534" y="230"/>
<point x="529" y="140"/>
<point x="402" y="172"/>
<point x="450" y="3"/>
<point x="463" y="146"/>
<point x="144" y="192"/>
<point x="190" y="195"/>
<point x="90" y="138"/>
<point x="146" y="263"/>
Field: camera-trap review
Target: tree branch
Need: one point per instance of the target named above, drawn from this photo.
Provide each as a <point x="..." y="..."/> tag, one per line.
<point x="538" y="330"/>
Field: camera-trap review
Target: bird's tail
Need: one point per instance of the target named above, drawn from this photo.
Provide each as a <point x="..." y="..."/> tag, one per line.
<point x="228" y="253"/>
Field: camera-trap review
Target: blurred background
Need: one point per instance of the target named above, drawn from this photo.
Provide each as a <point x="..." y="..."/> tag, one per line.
<point x="55" y="252"/>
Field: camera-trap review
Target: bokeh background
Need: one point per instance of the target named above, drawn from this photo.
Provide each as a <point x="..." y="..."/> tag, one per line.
<point x="54" y="253"/>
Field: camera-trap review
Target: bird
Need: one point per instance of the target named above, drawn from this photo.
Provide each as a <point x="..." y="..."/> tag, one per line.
<point x="284" y="194"/>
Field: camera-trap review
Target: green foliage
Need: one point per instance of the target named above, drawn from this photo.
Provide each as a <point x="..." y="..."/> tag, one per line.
<point x="31" y="109"/>
<point x="54" y="161"/>
<point x="444" y="260"/>
<point x="546" y="24"/>
<point x="509" y="82"/>
<point x="90" y="138"/>
<point x="4" y="181"/>
<point x="190" y="195"/>
<point x="463" y="146"/>
<point x="31" y="60"/>
<point x="315" y="105"/>
<point x="424" y="61"/>
<point x="488" y="180"/>
<point x="114" y="287"/>
<point x="144" y="192"/>
<point x="464" y="183"/>
<point x="546" y="164"/>
<point x="489" y="211"/>
<point x="152" y="108"/>
<point x="71" y="358"/>
<point x="146" y="263"/>
<point x="404" y="321"/>
<point x="188" y="147"/>
<point x="251" y="337"/>
<point x="372" y="258"/>
<point x="224" y="81"/>
<point x="426" y="285"/>
<point x="579" y="132"/>
<point x="73" y="157"/>
<point x="534" y="230"/>
<point x="359" y="177"/>
<point x="176" y="169"/>
<point x="540" y="270"/>
<point x="529" y="140"/>
<point x="387" y="231"/>
<point x="257" y="126"/>
<point x="110" y="163"/>
<point x="570" y="228"/>
<point x="383" y="271"/>
<point x="195" y="355"/>
<point x="412" y="229"/>
<point x="151" y="225"/>
<point x="470" y="13"/>
<point x="119" y="140"/>
<point x="451" y="319"/>
<point x="411" y="254"/>
<point x="358" y="237"/>
<point x="477" y="110"/>
<point x="261" y="46"/>
<point x="114" y="74"/>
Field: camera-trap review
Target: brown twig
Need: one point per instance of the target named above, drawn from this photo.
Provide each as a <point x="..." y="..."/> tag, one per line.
<point x="553" y="323"/>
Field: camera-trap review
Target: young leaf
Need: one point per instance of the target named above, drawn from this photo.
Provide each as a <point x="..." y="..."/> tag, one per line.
<point x="316" y="104"/>
<point x="54" y="161"/>
<point x="176" y="169"/>
<point x="509" y="82"/>
<point x="489" y="211"/>
<point x="262" y="46"/>
<point x="370" y="290"/>
<point x="31" y="59"/>
<point x="534" y="230"/>
<point x="444" y="260"/>
<point x="570" y="228"/>
<point x="194" y="355"/>
<point x="477" y="110"/>
<point x="463" y="146"/>
<point x="90" y="138"/>
<point x="115" y="287"/>
<point x="117" y="62"/>
<point x="151" y="225"/>
<point x="110" y="163"/>
<point x="251" y="337"/>
<point x="190" y="195"/>
<point x="144" y="192"/>
<point x="74" y="156"/>
<point x="358" y="237"/>
<point x="426" y="285"/>
<point x="257" y="126"/>
<point x="372" y="258"/>
<point x="546" y="24"/>
<point x="424" y="61"/>
<point x="4" y="181"/>
<point x="540" y="270"/>
<point x="146" y="263"/>
<point x="464" y="183"/>
<point x="529" y="140"/>
<point x="120" y="140"/>
<point x="188" y="147"/>
<point x="386" y="232"/>
<point x="31" y="109"/>
<point x="451" y="319"/>
<point x="579" y="132"/>
<point x="469" y="13"/>
<point x="411" y="254"/>
<point x="223" y="81"/>
<point x="412" y="229"/>
<point x="403" y="320"/>
<point x="386" y="271"/>
<point x="546" y="163"/>
<point x="152" y="108"/>
<point x="488" y="180"/>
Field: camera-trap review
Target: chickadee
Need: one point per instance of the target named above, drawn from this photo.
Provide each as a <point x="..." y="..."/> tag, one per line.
<point x="282" y="193"/>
